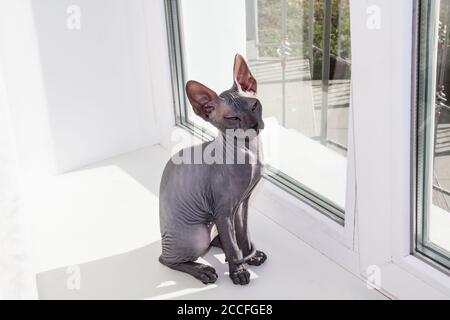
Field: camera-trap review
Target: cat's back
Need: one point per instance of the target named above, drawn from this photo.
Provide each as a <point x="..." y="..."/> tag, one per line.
<point x="184" y="169"/>
<point x="184" y="193"/>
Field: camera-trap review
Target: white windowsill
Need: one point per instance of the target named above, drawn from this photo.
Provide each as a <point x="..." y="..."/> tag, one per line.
<point x="103" y="220"/>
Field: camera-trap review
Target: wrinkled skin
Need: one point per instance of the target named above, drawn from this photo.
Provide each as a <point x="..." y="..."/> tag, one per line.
<point x="196" y="199"/>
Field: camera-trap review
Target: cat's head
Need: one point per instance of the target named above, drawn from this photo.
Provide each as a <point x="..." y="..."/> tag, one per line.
<point x="236" y="108"/>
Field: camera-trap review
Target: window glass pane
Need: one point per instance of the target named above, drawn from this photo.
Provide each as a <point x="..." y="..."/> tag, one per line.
<point x="299" y="52"/>
<point x="433" y="127"/>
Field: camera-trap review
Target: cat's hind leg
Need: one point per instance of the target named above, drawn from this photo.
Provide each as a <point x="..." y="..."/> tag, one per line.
<point x="202" y="272"/>
<point x="183" y="248"/>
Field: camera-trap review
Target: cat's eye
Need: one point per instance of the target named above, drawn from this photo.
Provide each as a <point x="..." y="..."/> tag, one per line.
<point x="255" y="106"/>
<point x="232" y="118"/>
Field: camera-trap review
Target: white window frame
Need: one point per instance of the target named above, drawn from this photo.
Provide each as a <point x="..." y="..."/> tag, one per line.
<point x="377" y="230"/>
<point x="384" y="190"/>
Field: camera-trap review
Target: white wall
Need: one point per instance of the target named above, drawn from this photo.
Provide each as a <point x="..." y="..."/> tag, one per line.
<point x="24" y="87"/>
<point x="71" y="98"/>
<point x="17" y="279"/>
<point x="78" y="96"/>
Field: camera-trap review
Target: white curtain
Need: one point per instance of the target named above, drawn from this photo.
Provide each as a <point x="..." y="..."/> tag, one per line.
<point x="17" y="280"/>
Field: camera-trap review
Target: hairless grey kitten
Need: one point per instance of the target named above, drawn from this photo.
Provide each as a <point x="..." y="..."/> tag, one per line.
<point x="198" y="198"/>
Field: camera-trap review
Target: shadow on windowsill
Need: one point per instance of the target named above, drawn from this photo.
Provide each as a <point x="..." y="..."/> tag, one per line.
<point x="132" y="275"/>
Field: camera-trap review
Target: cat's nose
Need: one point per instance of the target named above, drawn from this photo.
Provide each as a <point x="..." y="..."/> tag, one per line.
<point x="255" y="126"/>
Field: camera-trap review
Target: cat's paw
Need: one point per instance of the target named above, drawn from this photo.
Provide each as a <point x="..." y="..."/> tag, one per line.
<point x="258" y="259"/>
<point x="240" y="276"/>
<point x="205" y="274"/>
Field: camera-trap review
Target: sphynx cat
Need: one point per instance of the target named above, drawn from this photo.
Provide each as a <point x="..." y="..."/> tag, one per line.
<point x="206" y="204"/>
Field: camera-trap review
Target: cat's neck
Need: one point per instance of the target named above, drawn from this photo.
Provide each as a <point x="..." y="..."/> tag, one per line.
<point x="233" y="145"/>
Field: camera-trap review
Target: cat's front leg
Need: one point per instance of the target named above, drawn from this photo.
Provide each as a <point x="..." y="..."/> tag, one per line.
<point x="227" y="234"/>
<point x="241" y="227"/>
<point x="243" y="236"/>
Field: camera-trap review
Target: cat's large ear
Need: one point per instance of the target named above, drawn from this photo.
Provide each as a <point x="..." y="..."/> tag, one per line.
<point x="243" y="78"/>
<point x="203" y="100"/>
